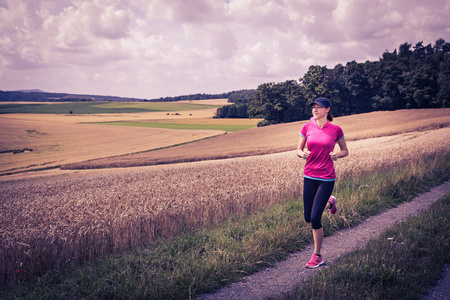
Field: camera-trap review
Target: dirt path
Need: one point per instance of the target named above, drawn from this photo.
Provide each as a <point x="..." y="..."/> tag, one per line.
<point x="286" y="274"/>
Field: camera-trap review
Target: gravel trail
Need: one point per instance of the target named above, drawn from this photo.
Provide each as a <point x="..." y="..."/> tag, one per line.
<point x="286" y="274"/>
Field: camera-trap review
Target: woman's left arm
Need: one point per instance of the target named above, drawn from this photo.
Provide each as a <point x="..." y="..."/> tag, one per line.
<point x="344" y="150"/>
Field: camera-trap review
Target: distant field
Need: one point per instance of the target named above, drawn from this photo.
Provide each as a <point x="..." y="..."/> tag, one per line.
<point x="279" y="138"/>
<point x="37" y="141"/>
<point x="100" y="108"/>
<point x="224" y="127"/>
<point x="77" y="142"/>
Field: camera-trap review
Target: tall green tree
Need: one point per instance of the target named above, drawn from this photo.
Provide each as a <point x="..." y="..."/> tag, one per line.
<point x="278" y="103"/>
<point x="358" y="97"/>
<point x="314" y="83"/>
<point x="425" y="85"/>
<point x="391" y="81"/>
<point x="337" y="91"/>
<point x="297" y="108"/>
<point x="373" y="71"/>
<point x="443" y="96"/>
<point x="268" y="103"/>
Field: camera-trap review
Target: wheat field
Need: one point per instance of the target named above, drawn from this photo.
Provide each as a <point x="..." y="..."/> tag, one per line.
<point x="278" y="138"/>
<point x="51" y="222"/>
<point x="51" y="140"/>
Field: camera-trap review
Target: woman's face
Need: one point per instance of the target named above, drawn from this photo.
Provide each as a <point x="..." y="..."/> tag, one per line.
<point x="319" y="111"/>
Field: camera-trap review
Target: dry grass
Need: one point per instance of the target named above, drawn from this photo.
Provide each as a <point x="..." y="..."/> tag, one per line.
<point x="49" y="223"/>
<point x="278" y="138"/>
<point x="56" y="143"/>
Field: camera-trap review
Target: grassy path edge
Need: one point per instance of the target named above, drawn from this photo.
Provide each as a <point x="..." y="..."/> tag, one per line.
<point x="406" y="261"/>
<point x="285" y="275"/>
<point x="197" y="262"/>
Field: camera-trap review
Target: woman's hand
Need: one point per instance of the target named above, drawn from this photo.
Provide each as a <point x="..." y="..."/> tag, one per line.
<point x="333" y="156"/>
<point x="303" y="154"/>
<point x="343" y="153"/>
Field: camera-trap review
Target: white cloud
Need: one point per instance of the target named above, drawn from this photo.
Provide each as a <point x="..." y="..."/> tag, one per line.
<point x="153" y="48"/>
<point x="193" y="11"/>
<point x="254" y="61"/>
<point x="261" y="15"/>
<point x="108" y="21"/>
<point x="214" y="41"/>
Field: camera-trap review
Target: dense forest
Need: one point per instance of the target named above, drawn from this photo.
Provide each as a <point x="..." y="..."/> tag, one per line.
<point x="239" y="108"/>
<point x="412" y="77"/>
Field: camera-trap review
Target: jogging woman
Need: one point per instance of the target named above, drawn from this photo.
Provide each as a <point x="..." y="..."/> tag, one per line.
<point x="320" y="137"/>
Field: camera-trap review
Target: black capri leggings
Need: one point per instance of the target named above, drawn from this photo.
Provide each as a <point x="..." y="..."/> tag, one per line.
<point x="315" y="198"/>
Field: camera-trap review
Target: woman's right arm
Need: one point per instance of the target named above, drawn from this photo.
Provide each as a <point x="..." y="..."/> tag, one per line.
<point x="301" y="145"/>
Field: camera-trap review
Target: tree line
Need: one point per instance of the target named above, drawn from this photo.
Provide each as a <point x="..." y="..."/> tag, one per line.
<point x="239" y="108"/>
<point x="40" y="96"/>
<point x="412" y="77"/>
<point x="198" y="96"/>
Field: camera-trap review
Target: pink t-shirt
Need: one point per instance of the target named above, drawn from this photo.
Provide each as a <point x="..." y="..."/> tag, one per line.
<point x="321" y="142"/>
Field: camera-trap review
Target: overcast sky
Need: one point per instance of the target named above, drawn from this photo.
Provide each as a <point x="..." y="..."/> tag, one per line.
<point x="156" y="48"/>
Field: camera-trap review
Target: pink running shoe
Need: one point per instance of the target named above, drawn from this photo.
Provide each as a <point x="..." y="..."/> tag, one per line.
<point x="333" y="208"/>
<point x="314" y="262"/>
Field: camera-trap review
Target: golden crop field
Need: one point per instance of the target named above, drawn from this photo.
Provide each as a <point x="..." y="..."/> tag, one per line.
<point x="51" y="222"/>
<point x="48" y="140"/>
<point x="278" y="138"/>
